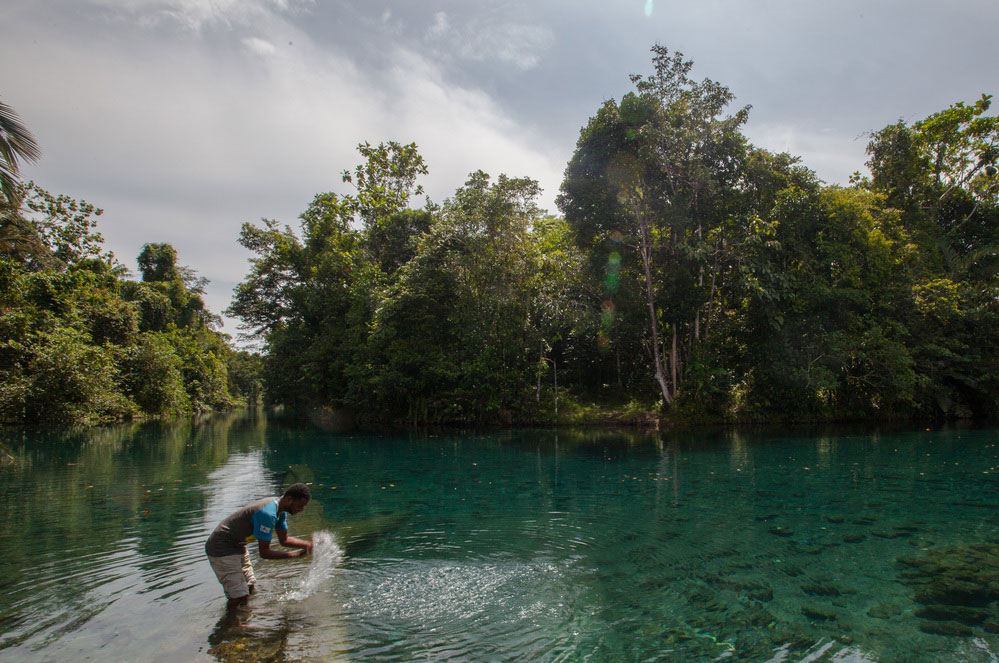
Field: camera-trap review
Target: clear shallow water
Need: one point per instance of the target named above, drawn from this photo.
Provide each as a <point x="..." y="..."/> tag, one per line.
<point x="513" y="546"/>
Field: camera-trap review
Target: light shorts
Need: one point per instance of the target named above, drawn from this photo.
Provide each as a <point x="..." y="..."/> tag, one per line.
<point x="235" y="573"/>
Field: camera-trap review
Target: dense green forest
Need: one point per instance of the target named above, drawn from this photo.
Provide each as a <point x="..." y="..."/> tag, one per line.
<point x="691" y="274"/>
<point x="82" y="342"/>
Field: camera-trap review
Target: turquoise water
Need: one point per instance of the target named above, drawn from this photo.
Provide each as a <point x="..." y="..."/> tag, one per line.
<point x="509" y="546"/>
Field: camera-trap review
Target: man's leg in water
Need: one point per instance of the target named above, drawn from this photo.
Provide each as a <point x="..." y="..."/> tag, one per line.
<point x="233" y="571"/>
<point x="251" y="581"/>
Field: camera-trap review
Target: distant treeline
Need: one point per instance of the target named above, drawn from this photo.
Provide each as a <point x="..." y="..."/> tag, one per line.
<point x="80" y="342"/>
<point x="691" y="273"/>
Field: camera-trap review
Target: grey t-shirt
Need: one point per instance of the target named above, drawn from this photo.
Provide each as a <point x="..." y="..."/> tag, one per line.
<point x="257" y="520"/>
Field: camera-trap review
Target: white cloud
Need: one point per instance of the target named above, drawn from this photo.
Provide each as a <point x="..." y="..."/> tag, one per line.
<point x="182" y="140"/>
<point x="259" y="46"/>
<point x="519" y="45"/>
<point x="460" y="130"/>
<point x="440" y="27"/>
<point x="514" y="44"/>
<point x="199" y="14"/>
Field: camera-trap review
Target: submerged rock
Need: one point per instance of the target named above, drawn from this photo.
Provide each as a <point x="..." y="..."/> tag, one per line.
<point x="953" y="591"/>
<point x="791" y="569"/>
<point x="958" y="587"/>
<point x="817" y="613"/>
<point x="886" y="610"/>
<point x="804" y="548"/>
<point x="906" y="528"/>
<point x="821" y="589"/>
<point x="893" y="534"/>
<point x="945" y="628"/>
<point x="956" y="613"/>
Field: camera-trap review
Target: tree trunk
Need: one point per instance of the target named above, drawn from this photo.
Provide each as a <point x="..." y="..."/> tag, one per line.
<point x="700" y="284"/>
<point x="674" y="358"/>
<point x="617" y="357"/>
<point x="541" y="358"/>
<point x="711" y="294"/>
<point x="555" y="367"/>
<point x="645" y="249"/>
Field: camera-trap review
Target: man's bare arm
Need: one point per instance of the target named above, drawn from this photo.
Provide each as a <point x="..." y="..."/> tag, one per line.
<point x="264" y="547"/>
<point x="292" y="542"/>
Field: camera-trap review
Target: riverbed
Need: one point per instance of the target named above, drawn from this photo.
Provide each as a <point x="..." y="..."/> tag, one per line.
<point x="514" y="545"/>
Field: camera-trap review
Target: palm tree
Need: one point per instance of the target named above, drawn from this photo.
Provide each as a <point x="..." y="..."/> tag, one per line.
<point x="15" y="142"/>
<point x="18" y="237"/>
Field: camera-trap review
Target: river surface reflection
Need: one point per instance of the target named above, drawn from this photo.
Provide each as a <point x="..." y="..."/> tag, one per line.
<point x="508" y="546"/>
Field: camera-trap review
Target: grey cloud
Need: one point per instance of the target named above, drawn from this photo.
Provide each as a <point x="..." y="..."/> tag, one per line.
<point x="518" y="44"/>
<point x="199" y="14"/>
<point x="184" y="118"/>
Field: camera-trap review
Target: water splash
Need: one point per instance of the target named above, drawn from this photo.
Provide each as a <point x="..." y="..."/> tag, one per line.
<point x="446" y="596"/>
<point x="326" y="556"/>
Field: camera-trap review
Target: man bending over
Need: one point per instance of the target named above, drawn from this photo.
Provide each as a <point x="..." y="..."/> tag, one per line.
<point x="226" y="547"/>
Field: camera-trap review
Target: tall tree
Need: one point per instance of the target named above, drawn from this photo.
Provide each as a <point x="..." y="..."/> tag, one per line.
<point x="656" y="175"/>
<point x="310" y="296"/>
<point x="942" y="173"/>
<point x="455" y="338"/>
<point x="158" y="263"/>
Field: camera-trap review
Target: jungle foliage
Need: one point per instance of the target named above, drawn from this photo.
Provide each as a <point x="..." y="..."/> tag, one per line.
<point x="692" y="271"/>
<point x="81" y="342"/>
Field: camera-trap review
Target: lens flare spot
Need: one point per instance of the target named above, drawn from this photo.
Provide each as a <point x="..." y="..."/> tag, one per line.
<point x="648" y="7"/>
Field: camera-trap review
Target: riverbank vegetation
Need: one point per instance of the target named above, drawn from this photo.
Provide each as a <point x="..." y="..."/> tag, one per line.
<point x="82" y="343"/>
<point x="690" y="274"/>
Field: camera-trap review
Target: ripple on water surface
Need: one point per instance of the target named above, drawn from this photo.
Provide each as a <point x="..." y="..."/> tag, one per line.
<point x="514" y="547"/>
<point x="462" y="609"/>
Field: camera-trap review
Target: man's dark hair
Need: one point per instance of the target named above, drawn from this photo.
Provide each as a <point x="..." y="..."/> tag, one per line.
<point x="298" y="491"/>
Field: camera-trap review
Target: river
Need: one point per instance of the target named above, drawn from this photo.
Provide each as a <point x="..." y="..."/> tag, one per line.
<point x="517" y="545"/>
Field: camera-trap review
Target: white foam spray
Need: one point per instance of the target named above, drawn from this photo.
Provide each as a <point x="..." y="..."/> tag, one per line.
<point x="326" y="556"/>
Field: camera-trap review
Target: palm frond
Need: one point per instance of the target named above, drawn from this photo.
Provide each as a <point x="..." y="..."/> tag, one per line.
<point x="16" y="142"/>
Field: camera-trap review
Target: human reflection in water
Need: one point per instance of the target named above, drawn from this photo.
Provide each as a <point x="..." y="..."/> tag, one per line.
<point x="232" y="640"/>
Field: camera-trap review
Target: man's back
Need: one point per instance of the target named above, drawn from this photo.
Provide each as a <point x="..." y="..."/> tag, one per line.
<point x="231" y="535"/>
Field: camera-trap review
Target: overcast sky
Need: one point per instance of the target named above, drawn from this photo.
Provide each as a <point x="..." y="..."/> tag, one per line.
<point x="185" y="118"/>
